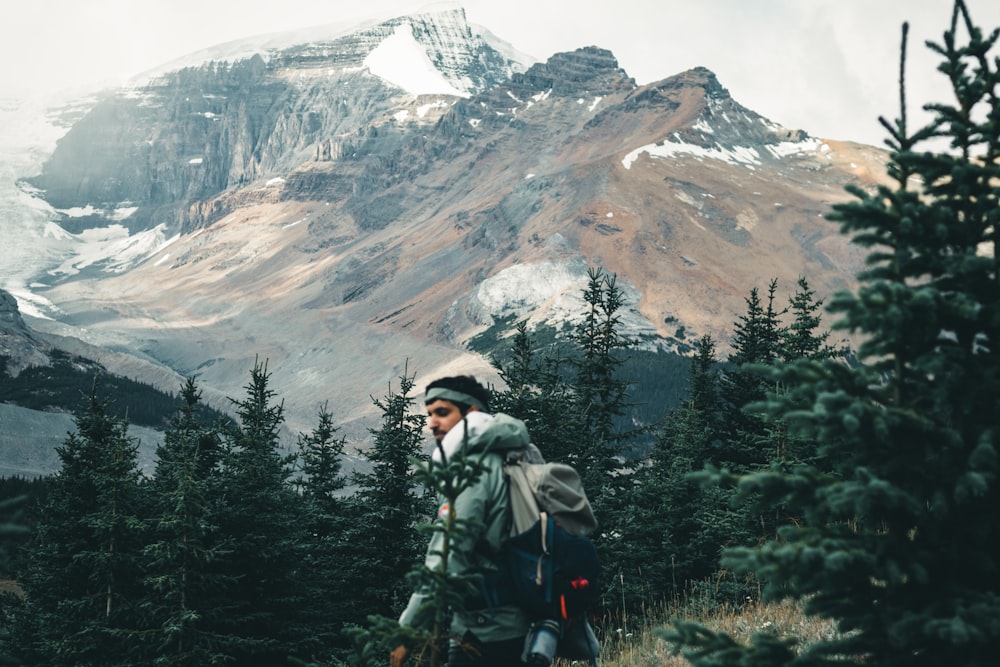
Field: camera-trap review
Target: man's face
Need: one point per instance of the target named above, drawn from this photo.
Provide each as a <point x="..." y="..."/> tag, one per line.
<point x="442" y="415"/>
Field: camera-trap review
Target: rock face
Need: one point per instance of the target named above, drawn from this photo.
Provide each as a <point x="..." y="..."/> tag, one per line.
<point x="17" y="343"/>
<point x="347" y="228"/>
<point x="188" y="136"/>
<point x="10" y="317"/>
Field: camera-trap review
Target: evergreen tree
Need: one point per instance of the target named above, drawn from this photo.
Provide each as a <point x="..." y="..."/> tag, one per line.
<point x="897" y="541"/>
<point x="744" y="444"/>
<point x="388" y="506"/>
<point x="674" y="531"/>
<point x="800" y="339"/>
<point x="328" y="549"/>
<point x="538" y="394"/>
<point x="599" y="394"/>
<point x="260" y="516"/>
<point x="186" y="597"/>
<point x="82" y="584"/>
<point x="12" y="532"/>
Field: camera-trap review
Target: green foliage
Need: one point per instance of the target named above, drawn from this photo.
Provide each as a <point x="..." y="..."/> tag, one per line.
<point x="388" y="505"/>
<point x="656" y="377"/>
<point x="184" y="593"/>
<point x="328" y="551"/>
<point x="802" y="339"/>
<point x="258" y="516"/>
<point x="82" y="581"/>
<point x="897" y="512"/>
<point x="18" y="498"/>
<point x="599" y="392"/>
<point x="757" y="342"/>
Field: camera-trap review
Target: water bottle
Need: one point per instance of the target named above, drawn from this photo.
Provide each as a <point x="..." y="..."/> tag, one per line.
<point x="541" y="642"/>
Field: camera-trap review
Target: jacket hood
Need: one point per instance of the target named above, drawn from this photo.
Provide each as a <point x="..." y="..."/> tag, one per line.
<point x="486" y="432"/>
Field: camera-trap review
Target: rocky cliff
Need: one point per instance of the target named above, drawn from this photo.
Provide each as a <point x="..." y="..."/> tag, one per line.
<point x="154" y="154"/>
<point x="17" y="342"/>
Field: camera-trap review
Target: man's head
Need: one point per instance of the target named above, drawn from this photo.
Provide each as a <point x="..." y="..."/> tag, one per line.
<point x="449" y="399"/>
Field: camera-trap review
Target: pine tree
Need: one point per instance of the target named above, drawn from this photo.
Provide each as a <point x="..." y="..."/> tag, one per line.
<point x="599" y="394"/>
<point x="897" y="542"/>
<point x="538" y="394"/>
<point x="800" y="339"/>
<point x="388" y="506"/>
<point x="673" y="531"/>
<point x="186" y="596"/>
<point x="328" y="548"/>
<point x="260" y="516"/>
<point x="83" y="582"/>
<point x="756" y="342"/>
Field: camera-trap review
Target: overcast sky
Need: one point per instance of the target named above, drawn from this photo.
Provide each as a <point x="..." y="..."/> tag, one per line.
<point x="829" y="67"/>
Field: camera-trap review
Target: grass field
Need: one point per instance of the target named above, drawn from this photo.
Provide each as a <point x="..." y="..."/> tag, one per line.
<point x="634" y="643"/>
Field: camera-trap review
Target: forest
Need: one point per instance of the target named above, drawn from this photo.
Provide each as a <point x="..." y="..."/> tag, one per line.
<point x="235" y="551"/>
<point x="863" y="483"/>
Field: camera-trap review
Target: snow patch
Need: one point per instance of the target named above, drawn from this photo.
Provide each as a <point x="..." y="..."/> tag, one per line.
<point x="78" y="211"/>
<point x="703" y="126"/>
<point x="32" y="304"/>
<point x="424" y="108"/>
<point x="54" y="231"/>
<point x="121" y="213"/>
<point x="401" y="61"/>
<point x="552" y="290"/>
<point x="744" y="155"/>
<point x="747" y="156"/>
<point x="786" y="148"/>
<point x="113" y="248"/>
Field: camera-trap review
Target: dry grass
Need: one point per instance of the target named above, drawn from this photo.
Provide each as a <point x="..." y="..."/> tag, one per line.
<point x="634" y="644"/>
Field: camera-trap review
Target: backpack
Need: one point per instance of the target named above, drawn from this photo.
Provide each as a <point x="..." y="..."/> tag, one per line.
<point x="548" y="565"/>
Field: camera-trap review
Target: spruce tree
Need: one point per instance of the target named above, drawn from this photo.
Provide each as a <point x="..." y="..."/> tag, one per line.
<point x="802" y="339"/>
<point x="388" y="505"/>
<point x="538" y="394"/>
<point x="328" y="549"/>
<point x="897" y="540"/>
<point x="744" y="443"/>
<point x="186" y="596"/>
<point x="600" y="395"/>
<point x="674" y="532"/>
<point x="82" y="584"/>
<point x="260" y="516"/>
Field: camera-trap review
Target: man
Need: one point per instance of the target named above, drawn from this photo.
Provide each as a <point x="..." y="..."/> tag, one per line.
<point x="458" y="416"/>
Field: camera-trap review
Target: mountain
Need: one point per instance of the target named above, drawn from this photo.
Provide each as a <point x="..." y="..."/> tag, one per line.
<point x="359" y="208"/>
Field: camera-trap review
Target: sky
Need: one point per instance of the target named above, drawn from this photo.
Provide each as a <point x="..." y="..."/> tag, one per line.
<point x="829" y="67"/>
